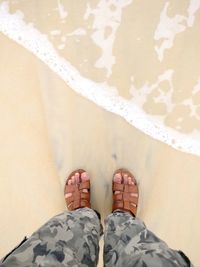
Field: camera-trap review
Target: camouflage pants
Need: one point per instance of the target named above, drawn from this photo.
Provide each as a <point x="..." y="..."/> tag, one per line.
<point x="129" y="243"/>
<point x="72" y="238"/>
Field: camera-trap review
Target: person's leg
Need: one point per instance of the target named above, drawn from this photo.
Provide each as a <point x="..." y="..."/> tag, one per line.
<point x="68" y="239"/>
<point x="129" y="243"/>
<point x="127" y="240"/>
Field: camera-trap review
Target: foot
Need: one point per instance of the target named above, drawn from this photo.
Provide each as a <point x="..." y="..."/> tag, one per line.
<point x="125" y="192"/>
<point x="77" y="190"/>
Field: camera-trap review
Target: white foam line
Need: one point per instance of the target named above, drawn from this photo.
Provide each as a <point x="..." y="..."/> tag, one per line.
<point x="13" y="26"/>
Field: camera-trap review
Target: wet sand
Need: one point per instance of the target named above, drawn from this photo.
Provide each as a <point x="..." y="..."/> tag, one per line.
<point x="47" y="131"/>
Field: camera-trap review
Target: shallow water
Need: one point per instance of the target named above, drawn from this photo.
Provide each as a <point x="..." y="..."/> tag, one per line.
<point x="137" y="60"/>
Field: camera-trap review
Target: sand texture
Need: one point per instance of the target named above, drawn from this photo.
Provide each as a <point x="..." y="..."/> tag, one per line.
<point x="47" y="130"/>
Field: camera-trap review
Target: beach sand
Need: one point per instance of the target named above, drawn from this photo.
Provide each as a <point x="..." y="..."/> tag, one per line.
<point x="47" y="130"/>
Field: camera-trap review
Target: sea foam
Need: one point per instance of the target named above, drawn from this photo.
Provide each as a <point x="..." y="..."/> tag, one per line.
<point x="13" y="26"/>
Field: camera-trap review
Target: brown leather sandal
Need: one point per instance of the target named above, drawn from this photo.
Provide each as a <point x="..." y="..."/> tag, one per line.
<point x="79" y="199"/>
<point x="124" y="201"/>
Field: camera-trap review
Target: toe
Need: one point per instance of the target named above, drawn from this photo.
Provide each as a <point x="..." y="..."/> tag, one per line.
<point x="73" y="180"/>
<point x="130" y="180"/>
<point x="69" y="194"/>
<point x="77" y="178"/>
<point x="126" y="178"/>
<point x="118" y="178"/>
<point x="85" y="176"/>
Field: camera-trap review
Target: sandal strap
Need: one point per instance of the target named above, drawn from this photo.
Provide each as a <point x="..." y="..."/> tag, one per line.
<point x="70" y="188"/>
<point x="78" y="199"/>
<point x="124" y="200"/>
<point x="84" y="185"/>
<point x="125" y="188"/>
<point x="118" y="187"/>
<point x="125" y="197"/>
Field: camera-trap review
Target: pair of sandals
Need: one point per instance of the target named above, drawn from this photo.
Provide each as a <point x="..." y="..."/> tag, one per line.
<point x="125" y="192"/>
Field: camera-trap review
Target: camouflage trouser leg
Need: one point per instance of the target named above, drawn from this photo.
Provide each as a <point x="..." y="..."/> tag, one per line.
<point x="69" y="239"/>
<point x="129" y="243"/>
